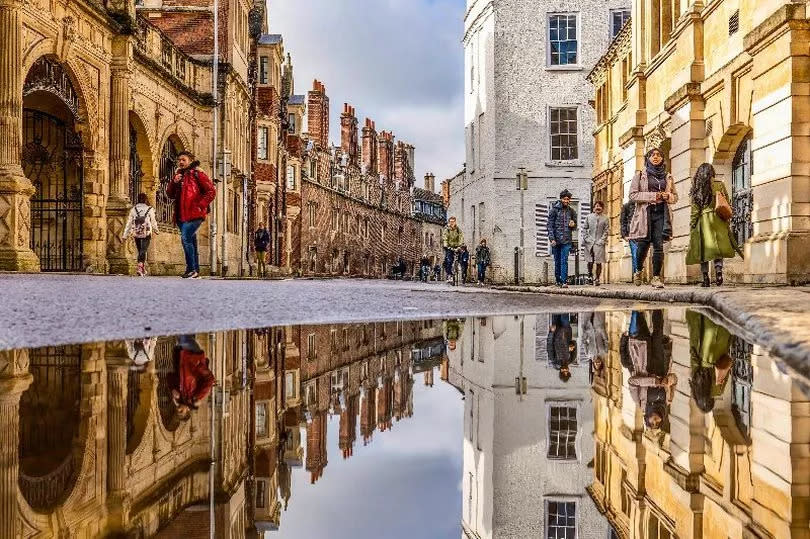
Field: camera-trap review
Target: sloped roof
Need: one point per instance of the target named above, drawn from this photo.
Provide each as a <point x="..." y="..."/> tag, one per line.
<point x="297" y="100"/>
<point x="270" y="39"/>
<point x="429" y="196"/>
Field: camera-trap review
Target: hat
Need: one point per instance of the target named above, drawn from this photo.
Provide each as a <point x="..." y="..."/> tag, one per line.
<point x="565" y="194"/>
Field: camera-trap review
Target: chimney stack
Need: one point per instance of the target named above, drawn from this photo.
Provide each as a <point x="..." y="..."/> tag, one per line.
<point x="318" y="115"/>
<point x="430" y="182"/>
<point x="386" y="155"/>
<point x="348" y="133"/>
<point x="370" y="161"/>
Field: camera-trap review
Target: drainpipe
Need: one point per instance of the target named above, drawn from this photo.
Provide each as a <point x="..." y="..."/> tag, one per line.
<point x="212" y="219"/>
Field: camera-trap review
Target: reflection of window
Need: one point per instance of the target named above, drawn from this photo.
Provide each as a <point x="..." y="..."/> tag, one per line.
<point x="261" y="420"/>
<point x="561" y="519"/>
<point x="563" y="129"/>
<point x="291" y="122"/>
<point x="562" y="433"/>
<point x="562" y="39"/>
<point x="290" y="177"/>
<point x="311" y="211"/>
<point x="261" y="492"/>
<point x="263" y="71"/>
<point x="311" y="346"/>
<point x="290" y="389"/>
<point x="263" y="137"/>
<point x="656" y="528"/>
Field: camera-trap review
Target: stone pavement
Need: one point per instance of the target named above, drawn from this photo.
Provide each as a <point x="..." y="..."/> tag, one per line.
<point x="775" y="317"/>
<point x="42" y="309"/>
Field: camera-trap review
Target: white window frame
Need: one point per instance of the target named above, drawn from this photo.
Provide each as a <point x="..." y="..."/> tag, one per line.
<point x="261" y="492"/>
<point x="312" y="352"/>
<point x="578" y="110"/>
<point x="291" y="119"/>
<point x="562" y="499"/>
<point x="577" y="405"/>
<point x="564" y="67"/>
<point x="613" y="12"/>
<point x="290" y="385"/>
<point x="262" y="146"/>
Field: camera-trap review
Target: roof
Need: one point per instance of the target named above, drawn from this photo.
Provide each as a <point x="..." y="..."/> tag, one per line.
<point x="429" y="196"/>
<point x="297" y="100"/>
<point x="270" y="39"/>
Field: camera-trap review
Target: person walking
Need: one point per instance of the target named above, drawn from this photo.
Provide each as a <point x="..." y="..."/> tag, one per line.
<point x="595" y="235"/>
<point x="463" y="262"/>
<point x="483" y="258"/>
<point x="561" y="346"/>
<point x="710" y="359"/>
<point x="562" y="221"/>
<point x="624" y="221"/>
<point x="192" y="378"/>
<point x="653" y="191"/>
<point x="424" y="269"/>
<point x="710" y="237"/>
<point x="192" y="191"/>
<point x="261" y="240"/>
<point x="452" y="239"/>
<point x="141" y="224"/>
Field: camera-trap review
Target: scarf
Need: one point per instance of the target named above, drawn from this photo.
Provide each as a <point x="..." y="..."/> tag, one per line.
<point x="657" y="173"/>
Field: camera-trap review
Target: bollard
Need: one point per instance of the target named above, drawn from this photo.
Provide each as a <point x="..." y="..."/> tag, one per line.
<point x="517" y="265"/>
<point x="545" y="273"/>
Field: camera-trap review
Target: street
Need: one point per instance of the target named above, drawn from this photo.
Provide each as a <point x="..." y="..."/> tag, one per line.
<point x="43" y="310"/>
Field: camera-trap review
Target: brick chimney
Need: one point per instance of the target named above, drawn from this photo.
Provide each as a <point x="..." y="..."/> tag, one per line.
<point x="386" y="154"/>
<point x="403" y="165"/>
<point x="430" y="182"/>
<point x="348" y="133"/>
<point x="446" y="193"/>
<point x="370" y="161"/>
<point x="318" y="115"/>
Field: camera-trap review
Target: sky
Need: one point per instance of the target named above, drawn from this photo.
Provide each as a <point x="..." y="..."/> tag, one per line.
<point x="398" y="62"/>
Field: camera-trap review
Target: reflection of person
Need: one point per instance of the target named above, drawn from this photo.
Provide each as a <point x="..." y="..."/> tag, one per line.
<point x="595" y="341"/>
<point x="652" y="385"/>
<point x="560" y="345"/>
<point x="711" y="363"/>
<point x="452" y="331"/>
<point x="192" y="379"/>
<point x="452" y="239"/>
<point x="141" y="351"/>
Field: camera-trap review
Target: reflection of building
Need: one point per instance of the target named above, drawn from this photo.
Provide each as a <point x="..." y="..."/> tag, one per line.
<point x="710" y="82"/>
<point x="526" y="455"/>
<point x="732" y="472"/>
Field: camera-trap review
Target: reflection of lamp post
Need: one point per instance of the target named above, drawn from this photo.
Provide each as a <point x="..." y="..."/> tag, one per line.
<point x="522" y="185"/>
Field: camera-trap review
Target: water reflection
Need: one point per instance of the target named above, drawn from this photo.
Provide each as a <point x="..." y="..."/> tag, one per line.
<point x="657" y="423"/>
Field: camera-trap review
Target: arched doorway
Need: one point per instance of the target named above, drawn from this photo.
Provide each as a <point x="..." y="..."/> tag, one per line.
<point x="135" y="166"/>
<point x="52" y="158"/>
<point x="164" y="206"/>
<point x="742" y="195"/>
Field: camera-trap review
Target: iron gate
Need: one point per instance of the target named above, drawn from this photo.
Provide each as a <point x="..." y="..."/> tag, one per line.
<point x="135" y="166"/>
<point x="52" y="159"/>
<point x="168" y="165"/>
<point x="742" y="195"/>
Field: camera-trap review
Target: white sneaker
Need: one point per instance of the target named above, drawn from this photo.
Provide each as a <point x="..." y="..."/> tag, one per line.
<point x="656" y="282"/>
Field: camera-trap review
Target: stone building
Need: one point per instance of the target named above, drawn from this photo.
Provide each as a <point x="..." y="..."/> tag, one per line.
<point x="527" y="106"/>
<point x="428" y="206"/>
<point x="731" y="472"/>
<point x="103" y="98"/>
<point x="713" y="82"/>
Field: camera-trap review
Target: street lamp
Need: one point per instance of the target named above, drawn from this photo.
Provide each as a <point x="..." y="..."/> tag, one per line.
<point x="522" y="184"/>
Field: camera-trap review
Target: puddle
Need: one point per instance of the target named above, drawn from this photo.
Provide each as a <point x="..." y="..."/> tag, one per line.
<point x="620" y="424"/>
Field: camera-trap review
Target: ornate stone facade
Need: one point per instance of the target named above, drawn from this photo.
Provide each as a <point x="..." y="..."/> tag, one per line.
<point x="712" y="82"/>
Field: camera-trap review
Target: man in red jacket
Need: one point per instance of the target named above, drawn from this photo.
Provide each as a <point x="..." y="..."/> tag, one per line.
<point x="192" y="191"/>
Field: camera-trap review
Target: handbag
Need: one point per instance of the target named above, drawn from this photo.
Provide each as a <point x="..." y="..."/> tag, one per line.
<point x="722" y="208"/>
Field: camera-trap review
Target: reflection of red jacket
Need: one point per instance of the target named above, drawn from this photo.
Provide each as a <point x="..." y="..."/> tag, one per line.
<point x="194" y="377"/>
<point x="192" y="195"/>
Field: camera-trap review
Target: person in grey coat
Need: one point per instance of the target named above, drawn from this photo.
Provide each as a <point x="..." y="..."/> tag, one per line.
<point x="595" y="235"/>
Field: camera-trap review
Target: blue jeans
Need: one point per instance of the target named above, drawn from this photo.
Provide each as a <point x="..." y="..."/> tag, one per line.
<point x="560" y="252"/>
<point x="482" y="272"/>
<point x="188" y="236"/>
<point x="449" y="258"/>
<point x="634" y="255"/>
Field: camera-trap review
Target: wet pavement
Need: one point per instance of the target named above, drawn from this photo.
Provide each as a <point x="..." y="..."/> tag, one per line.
<point x="586" y="424"/>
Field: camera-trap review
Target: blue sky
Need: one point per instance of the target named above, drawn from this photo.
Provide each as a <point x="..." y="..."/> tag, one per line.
<point x="399" y="62"/>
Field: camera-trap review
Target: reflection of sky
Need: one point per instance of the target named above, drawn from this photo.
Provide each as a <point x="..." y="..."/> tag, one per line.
<point x="405" y="483"/>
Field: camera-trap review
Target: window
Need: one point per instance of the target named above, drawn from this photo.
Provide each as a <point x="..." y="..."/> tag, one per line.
<point x="562" y="38"/>
<point x="290" y="177"/>
<point x="311" y="346"/>
<point x="656" y="529"/>
<point x="742" y="195"/>
<point x="562" y="433"/>
<point x="263" y="71"/>
<point x="261" y="419"/>
<point x="563" y="128"/>
<point x="561" y="519"/>
<point x="263" y="137"/>
<point x="617" y="19"/>
<point x="311" y="211"/>
<point x="289" y="382"/>
<point x="291" y="123"/>
<point x="261" y="493"/>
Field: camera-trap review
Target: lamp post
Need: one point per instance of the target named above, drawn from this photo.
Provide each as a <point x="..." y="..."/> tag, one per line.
<point x="212" y="219"/>
<point x="522" y="184"/>
<point x="225" y="172"/>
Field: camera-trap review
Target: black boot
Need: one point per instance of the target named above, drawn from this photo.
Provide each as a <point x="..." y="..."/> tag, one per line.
<point x="706" y="281"/>
<point x="718" y="278"/>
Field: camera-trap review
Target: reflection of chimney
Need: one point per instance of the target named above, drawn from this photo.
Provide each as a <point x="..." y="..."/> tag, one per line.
<point x="318" y="115"/>
<point x="370" y="162"/>
<point x="348" y="427"/>
<point x="367" y="412"/>
<point x="430" y="182"/>
<point x="348" y="133"/>
<point x="316" y="445"/>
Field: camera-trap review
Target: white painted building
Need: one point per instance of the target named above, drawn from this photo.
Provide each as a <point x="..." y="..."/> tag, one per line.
<point x="527" y="105"/>
<point x="527" y="452"/>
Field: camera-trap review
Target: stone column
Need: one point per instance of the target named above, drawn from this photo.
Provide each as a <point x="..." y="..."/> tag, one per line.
<point x="117" y="377"/>
<point x="15" y="188"/>
<point x="118" y="203"/>
<point x="14" y="380"/>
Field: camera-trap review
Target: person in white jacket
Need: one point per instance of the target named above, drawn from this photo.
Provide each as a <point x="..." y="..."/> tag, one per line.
<point x="141" y="224"/>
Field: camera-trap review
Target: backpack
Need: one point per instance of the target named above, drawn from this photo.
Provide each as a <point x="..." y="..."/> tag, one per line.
<point x="142" y="227"/>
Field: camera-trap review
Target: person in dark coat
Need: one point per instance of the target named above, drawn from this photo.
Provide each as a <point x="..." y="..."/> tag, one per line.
<point x="261" y="240"/>
<point x="192" y="378"/>
<point x="562" y="221"/>
<point x="463" y="262"/>
<point x="483" y="259"/>
<point x="626" y="217"/>
<point x="424" y="269"/>
<point x="560" y="345"/>
<point x="192" y="191"/>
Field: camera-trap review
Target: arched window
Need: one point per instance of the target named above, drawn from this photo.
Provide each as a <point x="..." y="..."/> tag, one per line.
<point x="741" y="193"/>
<point x="135" y="166"/>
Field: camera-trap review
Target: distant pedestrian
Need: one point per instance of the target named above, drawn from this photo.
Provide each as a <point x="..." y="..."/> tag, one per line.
<point x="437" y="272"/>
<point x="595" y="236"/>
<point x="653" y="191"/>
<point x="452" y="239"/>
<point x="562" y="221"/>
<point x="192" y="191"/>
<point x="261" y="240"/>
<point x="483" y="259"/>
<point x="463" y="262"/>
<point x="424" y="269"/>
<point x="626" y="217"/>
<point x="141" y="224"/>
<point x="710" y="238"/>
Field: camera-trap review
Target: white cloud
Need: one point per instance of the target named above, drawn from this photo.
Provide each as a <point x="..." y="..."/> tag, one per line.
<point x="398" y="62"/>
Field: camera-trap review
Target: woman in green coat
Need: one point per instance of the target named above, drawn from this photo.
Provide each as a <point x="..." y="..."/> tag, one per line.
<point x="710" y="238"/>
<point x="711" y="363"/>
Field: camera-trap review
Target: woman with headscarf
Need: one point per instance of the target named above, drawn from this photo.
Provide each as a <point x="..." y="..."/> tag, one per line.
<point x="653" y="191"/>
<point x="710" y="237"/>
